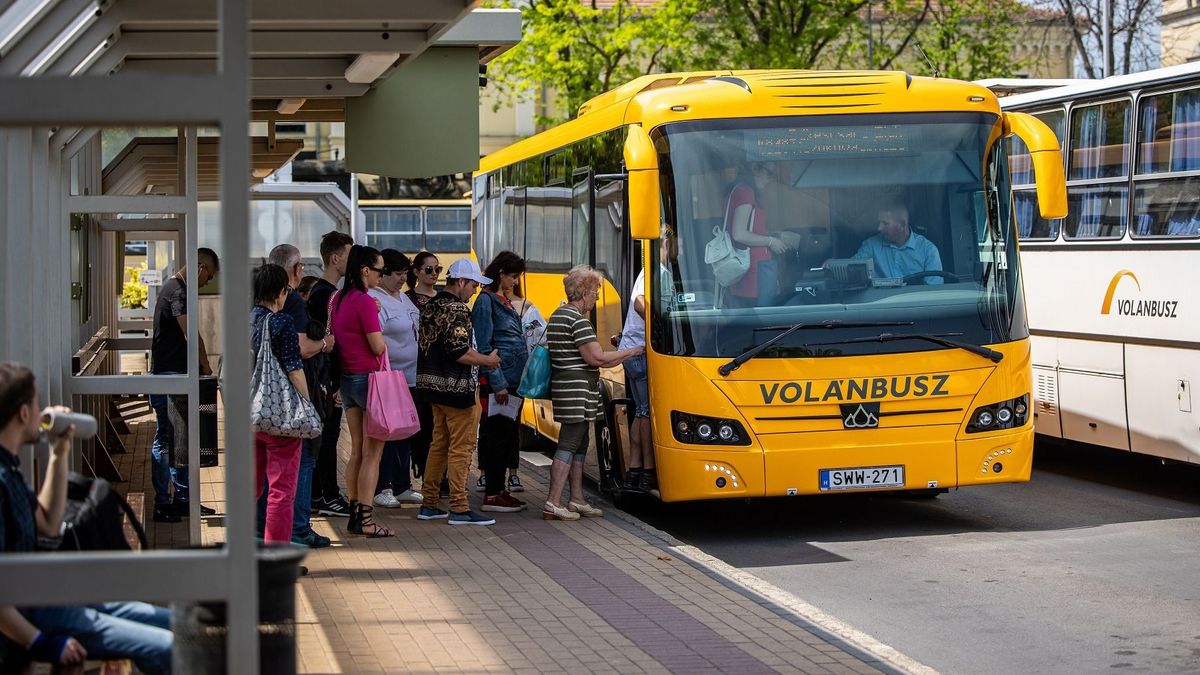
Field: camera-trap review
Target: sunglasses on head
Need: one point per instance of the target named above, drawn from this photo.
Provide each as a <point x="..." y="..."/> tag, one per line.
<point x="430" y="269"/>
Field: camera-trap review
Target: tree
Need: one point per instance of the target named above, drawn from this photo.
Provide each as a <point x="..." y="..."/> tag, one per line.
<point x="1134" y="31"/>
<point x="580" y="49"/>
<point x="970" y="39"/>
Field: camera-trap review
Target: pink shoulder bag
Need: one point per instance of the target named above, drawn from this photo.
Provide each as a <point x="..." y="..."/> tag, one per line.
<point x="391" y="413"/>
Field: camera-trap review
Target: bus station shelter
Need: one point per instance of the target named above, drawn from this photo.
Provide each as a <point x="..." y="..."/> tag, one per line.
<point x="403" y="75"/>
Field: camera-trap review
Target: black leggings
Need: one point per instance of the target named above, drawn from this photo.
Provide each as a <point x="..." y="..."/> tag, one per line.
<point x="497" y="440"/>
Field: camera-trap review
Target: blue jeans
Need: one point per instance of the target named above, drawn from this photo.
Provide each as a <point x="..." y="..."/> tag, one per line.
<point x="302" y="509"/>
<point x="115" y="630"/>
<point x="162" y="473"/>
<point x="395" y="467"/>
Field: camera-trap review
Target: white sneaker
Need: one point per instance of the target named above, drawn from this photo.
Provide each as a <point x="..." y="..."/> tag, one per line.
<point x="410" y="497"/>
<point x="386" y="500"/>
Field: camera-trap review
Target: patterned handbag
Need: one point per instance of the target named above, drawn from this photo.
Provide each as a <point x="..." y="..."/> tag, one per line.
<point x="276" y="407"/>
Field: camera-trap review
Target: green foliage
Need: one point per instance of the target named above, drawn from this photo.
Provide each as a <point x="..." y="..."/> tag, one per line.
<point x="575" y="50"/>
<point x="134" y="293"/>
<point x="971" y="39"/>
<point x="579" y="50"/>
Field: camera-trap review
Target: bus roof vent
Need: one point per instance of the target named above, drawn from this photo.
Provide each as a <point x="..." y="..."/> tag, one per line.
<point x="827" y="90"/>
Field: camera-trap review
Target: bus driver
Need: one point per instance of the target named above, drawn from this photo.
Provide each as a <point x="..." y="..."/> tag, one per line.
<point x="897" y="250"/>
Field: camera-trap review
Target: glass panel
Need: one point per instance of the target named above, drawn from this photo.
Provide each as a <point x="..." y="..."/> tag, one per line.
<point x="873" y="218"/>
<point x="299" y="223"/>
<point x="1096" y="212"/>
<point x="548" y="228"/>
<point x="1169" y="139"/>
<point x="388" y="219"/>
<point x="1031" y="225"/>
<point x="405" y="243"/>
<point x="448" y="229"/>
<point x="581" y="221"/>
<point x="1100" y="141"/>
<point x="1167" y="208"/>
<point x="1018" y="153"/>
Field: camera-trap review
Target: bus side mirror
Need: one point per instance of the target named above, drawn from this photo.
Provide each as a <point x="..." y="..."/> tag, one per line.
<point x="1047" y="162"/>
<point x="641" y="163"/>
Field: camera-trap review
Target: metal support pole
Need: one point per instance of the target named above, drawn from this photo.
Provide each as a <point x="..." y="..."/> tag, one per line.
<point x="242" y="575"/>
<point x="192" y="263"/>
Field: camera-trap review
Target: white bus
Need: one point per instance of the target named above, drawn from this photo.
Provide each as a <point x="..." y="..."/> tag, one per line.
<point x="1111" y="289"/>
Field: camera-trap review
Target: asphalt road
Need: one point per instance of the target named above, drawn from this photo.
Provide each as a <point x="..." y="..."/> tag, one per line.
<point x="1093" y="566"/>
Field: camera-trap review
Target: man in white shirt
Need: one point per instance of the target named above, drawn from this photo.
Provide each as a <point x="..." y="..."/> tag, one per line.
<point x="641" y="474"/>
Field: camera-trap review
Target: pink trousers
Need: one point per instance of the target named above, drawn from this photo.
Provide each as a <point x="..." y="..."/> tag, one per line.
<point x="277" y="458"/>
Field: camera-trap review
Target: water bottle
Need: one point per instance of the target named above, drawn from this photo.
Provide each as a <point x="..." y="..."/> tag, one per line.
<point x="55" y="423"/>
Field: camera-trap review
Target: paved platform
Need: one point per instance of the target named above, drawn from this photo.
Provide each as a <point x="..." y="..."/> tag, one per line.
<point x="529" y="595"/>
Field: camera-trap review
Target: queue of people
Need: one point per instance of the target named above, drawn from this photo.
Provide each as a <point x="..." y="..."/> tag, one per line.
<point x="463" y="362"/>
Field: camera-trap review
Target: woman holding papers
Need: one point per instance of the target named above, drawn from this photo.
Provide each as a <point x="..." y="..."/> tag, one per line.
<point x="498" y="327"/>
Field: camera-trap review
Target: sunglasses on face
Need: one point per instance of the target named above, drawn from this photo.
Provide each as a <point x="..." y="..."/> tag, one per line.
<point x="430" y="269"/>
<point x="377" y="270"/>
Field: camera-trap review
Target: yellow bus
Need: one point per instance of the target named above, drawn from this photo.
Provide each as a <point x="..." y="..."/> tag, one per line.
<point x="440" y="226"/>
<point x="846" y="368"/>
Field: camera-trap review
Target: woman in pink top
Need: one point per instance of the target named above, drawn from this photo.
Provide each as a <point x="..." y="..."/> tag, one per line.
<point x="748" y="227"/>
<point x="354" y="320"/>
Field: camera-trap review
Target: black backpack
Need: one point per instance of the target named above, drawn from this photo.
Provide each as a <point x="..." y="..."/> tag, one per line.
<point x="94" y="519"/>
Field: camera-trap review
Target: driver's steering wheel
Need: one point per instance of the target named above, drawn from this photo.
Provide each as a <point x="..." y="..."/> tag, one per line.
<point x="918" y="276"/>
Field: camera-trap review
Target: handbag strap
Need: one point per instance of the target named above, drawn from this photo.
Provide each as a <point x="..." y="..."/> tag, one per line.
<point x="729" y="214"/>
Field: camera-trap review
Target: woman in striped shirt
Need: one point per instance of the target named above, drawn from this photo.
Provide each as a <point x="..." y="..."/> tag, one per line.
<point x="575" y="359"/>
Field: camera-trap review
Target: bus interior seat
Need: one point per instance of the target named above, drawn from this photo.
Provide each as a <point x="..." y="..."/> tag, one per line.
<point x="1184" y="227"/>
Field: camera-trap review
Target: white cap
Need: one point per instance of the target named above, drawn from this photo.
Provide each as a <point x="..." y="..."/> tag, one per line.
<point x="465" y="268"/>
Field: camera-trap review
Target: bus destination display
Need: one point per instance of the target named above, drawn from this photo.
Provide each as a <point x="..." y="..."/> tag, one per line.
<point x="825" y="142"/>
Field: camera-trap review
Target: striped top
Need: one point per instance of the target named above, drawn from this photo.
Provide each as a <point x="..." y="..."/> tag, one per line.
<point x="574" y="385"/>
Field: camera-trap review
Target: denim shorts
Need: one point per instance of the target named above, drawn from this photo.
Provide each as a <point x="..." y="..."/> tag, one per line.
<point x="635" y="378"/>
<point x="354" y="390"/>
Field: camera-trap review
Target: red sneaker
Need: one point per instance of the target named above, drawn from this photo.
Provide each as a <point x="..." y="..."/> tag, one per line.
<point x="503" y="502"/>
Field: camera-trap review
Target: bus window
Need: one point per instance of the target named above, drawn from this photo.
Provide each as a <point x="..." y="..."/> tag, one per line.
<point x="1096" y="212"/>
<point x="1167" y="208"/>
<point x="1169" y="139"/>
<point x="1019" y="163"/>
<point x="393" y="227"/>
<point x="1031" y="226"/>
<point x="1099" y="141"/>
<point x="447" y="229"/>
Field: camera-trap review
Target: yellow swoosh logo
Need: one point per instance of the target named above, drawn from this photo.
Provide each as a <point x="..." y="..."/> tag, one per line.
<point x="1112" y="288"/>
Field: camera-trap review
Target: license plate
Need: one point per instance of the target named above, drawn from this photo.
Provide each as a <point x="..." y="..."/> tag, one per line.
<point x="862" y="478"/>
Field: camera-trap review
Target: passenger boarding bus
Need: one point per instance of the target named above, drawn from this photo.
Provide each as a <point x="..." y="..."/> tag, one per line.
<point x="440" y="226"/>
<point x="820" y="369"/>
<point x="1111" y="289"/>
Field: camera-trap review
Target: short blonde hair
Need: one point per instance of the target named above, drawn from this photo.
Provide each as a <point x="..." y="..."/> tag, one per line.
<point x="581" y="280"/>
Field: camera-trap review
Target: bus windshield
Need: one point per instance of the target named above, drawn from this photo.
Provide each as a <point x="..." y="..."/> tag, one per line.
<point x="892" y="219"/>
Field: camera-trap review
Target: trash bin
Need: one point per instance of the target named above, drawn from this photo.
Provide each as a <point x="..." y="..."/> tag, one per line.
<point x="208" y="421"/>
<point x="200" y="627"/>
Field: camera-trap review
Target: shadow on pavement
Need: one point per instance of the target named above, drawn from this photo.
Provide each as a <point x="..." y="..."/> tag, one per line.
<point x="1072" y="487"/>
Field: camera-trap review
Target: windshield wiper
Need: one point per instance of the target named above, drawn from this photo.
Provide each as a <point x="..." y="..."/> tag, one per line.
<point x="986" y="353"/>
<point x="754" y="351"/>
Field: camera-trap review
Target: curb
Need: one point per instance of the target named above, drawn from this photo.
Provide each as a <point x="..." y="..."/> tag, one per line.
<point x="783" y="600"/>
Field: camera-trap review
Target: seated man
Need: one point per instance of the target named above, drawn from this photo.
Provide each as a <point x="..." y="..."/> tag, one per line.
<point x="64" y="635"/>
<point x="897" y="250"/>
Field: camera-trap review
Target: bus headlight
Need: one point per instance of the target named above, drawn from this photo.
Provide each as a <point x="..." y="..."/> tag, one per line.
<point x="1009" y="414"/>
<point x="702" y="430"/>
